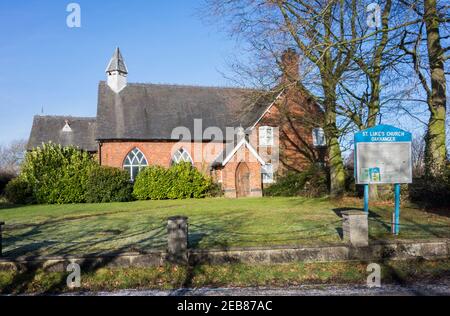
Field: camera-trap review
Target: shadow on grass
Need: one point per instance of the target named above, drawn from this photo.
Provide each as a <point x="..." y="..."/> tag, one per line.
<point x="24" y="281"/>
<point x="28" y="247"/>
<point x="8" y="206"/>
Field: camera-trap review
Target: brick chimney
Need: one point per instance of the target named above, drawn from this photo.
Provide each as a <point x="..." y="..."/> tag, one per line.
<point x="290" y="66"/>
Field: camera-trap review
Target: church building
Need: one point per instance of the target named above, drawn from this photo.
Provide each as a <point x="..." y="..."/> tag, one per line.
<point x="240" y="137"/>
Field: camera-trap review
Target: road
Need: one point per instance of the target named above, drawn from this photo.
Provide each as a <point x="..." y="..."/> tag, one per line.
<point x="417" y="289"/>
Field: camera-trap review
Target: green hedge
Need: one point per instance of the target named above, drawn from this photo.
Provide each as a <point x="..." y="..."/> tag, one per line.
<point x="56" y="174"/>
<point x="5" y="178"/>
<point x="19" y="191"/>
<point x="312" y="182"/>
<point x="431" y="192"/>
<point x="106" y="184"/>
<point x="181" y="181"/>
<point x="53" y="174"/>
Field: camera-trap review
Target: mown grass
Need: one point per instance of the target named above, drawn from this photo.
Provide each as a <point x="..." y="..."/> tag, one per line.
<point x="214" y="223"/>
<point x="231" y="275"/>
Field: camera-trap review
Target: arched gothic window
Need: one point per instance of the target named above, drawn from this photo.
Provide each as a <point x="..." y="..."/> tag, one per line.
<point x="134" y="163"/>
<point x="181" y="156"/>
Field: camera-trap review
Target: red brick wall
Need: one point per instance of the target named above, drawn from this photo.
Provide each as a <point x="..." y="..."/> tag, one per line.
<point x="296" y="116"/>
<point x="113" y="154"/>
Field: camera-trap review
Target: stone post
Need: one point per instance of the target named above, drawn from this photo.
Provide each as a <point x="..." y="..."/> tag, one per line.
<point x="1" y="238"/>
<point x="356" y="228"/>
<point x="177" y="240"/>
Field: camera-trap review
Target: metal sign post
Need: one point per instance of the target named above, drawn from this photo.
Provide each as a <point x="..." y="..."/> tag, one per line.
<point x="366" y="198"/>
<point x="397" y="209"/>
<point x="383" y="156"/>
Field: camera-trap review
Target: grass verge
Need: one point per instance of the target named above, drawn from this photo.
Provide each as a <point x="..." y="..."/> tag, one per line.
<point x="231" y="275"/>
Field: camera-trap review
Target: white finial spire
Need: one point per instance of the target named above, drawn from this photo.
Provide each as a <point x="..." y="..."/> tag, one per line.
<point x="117" y="72"/>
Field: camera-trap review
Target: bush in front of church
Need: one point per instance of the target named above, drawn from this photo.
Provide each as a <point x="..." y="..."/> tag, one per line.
<point x="152" y="183"/>
<point x="56" y="174"/>
<point x="181" y="181"/>
<point x="188" y="182"/>
<point x="312" y="182"/>
<point x="106" y="184"/>
<point x="19" y="191"/>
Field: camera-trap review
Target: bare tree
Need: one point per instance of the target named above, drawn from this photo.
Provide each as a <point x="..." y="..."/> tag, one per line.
<point x="11" y="156"/>
<point x="418" y="156"/>
<point x="316" y="30"/>
<point x="352" y="70"/>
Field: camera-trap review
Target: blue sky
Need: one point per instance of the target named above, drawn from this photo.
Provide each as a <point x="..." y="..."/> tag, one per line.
<point x="45" y="64"/>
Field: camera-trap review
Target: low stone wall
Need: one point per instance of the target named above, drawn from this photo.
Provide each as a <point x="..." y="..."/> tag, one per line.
<point x="375" y="252"/>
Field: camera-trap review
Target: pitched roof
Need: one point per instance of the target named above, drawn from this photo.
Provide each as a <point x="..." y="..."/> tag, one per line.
<point x="152" y="111"/>
<point x="117" y="63"/>
<point x="53" y="129"/>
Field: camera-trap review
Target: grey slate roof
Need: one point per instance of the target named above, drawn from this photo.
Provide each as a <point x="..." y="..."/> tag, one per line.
<point x="117" y="63"/>
<point x="152" y="111"/>
<point x="50" y="129"/>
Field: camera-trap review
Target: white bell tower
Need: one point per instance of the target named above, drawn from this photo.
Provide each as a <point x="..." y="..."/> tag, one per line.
<point x="117" y="72"/>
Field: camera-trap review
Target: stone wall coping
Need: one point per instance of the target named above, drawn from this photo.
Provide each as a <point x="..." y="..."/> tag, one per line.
<point x="177" y="218"/>
<point x="354" y="213"/>
<point x="398" y="242"/>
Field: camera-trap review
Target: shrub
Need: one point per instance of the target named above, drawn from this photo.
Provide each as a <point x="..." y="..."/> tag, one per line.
<point x="56" y="174"/>
<point x="181" y="181"/>
<point x="216" y="190"/>
<point x="5" y="177"/>
<point x="431" y="192"/>
<point x="310" y="183"/>
<point x="18" y="191"/>
<point x="106" y="184"/>
<point x="152" y="183"/>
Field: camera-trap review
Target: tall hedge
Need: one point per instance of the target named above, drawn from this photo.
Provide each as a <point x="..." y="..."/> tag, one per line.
<point x="56" y="174"/>
<point x="106" y="184"/>
<point x="181" y="181"/>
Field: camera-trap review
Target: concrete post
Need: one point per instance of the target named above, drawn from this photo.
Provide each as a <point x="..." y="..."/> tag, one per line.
<point x="1" y="238"/>
<point x="356" y="228"/>
<point x="177" y="240"/>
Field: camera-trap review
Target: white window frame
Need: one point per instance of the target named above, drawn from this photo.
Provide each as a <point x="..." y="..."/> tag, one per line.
<point x="132" y="161"/>
<point x="184" y="156"/>
<point x="315" y="133"/>
<point x="267" y="173"/>
<point x="264" y="139"/>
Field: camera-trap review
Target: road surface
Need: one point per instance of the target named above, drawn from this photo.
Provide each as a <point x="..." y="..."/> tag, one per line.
<point x="417" y="289"/>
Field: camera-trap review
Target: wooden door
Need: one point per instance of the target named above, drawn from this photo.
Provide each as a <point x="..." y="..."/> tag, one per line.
<point x="242" y="180"/>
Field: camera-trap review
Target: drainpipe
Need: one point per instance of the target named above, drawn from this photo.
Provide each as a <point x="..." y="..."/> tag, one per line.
<point x="100" y="153"/>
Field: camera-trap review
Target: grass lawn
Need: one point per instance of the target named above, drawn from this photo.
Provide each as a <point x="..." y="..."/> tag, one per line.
<point x="214" y="223"/>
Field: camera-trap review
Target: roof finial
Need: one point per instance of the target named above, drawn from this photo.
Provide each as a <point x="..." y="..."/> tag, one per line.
<point x="117" y="63"/>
